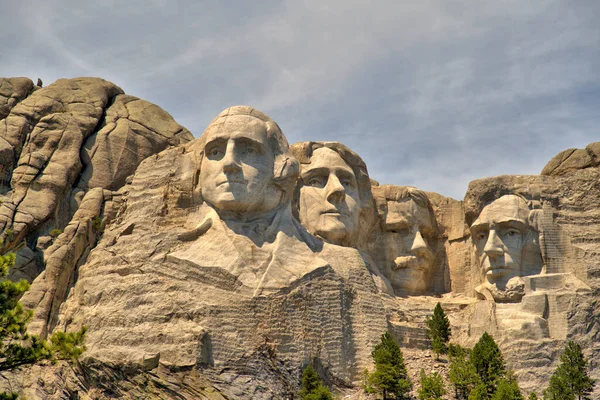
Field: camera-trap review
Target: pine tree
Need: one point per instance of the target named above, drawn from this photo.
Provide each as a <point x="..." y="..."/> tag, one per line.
<point x="570" y="379"/>
<point x="439" y="330"/>
<point x="461" y="373"/>
<point x="488" y="362"/>
<point x="17" y="347"/>
<point x="558" y="389"/>
<point x="312" y="388"/>
<point x="508" y="388"/>
<point x="390" y="375"/>
<point x="432" y="386"/>
<point x="479" y="392"/>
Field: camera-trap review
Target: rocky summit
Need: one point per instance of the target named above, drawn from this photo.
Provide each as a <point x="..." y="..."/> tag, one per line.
<point x="219" y="267"/>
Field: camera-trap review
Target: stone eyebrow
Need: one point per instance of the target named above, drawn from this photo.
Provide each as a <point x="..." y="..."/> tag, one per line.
<point x="250" y="140"/>
<point x="214" y="140"/>
<point x="314" y="171"/>
<point x="478" y="225"/>
<point x="221" y="139"/>
<point x="517" y="223"/>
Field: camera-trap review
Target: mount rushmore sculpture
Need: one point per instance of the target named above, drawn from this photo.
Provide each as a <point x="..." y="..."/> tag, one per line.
<point x="243" y="257"/>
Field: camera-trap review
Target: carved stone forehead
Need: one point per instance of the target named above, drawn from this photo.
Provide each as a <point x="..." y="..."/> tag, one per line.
<point x="407" y="208"/>
<point x="508" y="207"/>
<point x="236" y="126"/>
<point x="326" y="157"/>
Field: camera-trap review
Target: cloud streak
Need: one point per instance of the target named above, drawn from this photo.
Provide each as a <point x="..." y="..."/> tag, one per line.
<point x="431" y="94"/>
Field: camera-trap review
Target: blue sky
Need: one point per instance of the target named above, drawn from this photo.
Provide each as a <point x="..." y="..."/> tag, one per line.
<point x="430" y="93"/>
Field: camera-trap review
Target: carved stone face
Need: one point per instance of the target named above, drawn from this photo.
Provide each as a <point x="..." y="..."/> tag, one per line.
<point x="499" y="237"/>
<point x="329" y="198"/>
<point x="237" y="167"/>
<point x="409" y="227"/>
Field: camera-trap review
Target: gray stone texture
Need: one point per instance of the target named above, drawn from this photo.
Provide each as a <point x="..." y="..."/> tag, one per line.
<point x="220" y="267"/>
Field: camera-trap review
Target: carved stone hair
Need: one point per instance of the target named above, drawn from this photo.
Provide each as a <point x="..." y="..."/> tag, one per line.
<point x="303" y="151"/>
<point x="285" y="165"/>
<point x="397" y="193"/>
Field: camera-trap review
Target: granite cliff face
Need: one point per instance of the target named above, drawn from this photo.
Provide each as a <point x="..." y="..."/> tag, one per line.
<point x="219" y="267"/>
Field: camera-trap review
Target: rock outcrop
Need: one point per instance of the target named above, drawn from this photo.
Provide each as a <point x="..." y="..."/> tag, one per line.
<point x="62" y="140"/>
<point x="573" y="159"/>
<point x="222" y="266"/>
<point x="67" y="147"/>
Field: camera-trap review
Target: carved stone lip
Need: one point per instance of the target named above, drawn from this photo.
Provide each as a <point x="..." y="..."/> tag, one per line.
<point x="230" y="181"/>
<point x="496" y="269"/>
<point x="332" y="212"/>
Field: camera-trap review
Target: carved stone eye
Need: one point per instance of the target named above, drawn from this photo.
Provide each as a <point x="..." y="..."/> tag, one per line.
<point x="315" y="181"/>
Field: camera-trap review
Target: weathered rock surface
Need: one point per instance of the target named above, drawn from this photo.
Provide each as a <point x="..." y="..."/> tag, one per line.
<point x="190" y="266"/>
<point x="573" y="159"/>
<point x="137" y="301"/>
<point x="58" y="142"/>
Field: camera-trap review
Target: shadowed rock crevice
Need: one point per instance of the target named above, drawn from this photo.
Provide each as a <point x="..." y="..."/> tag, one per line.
<point x="54" y="184"/>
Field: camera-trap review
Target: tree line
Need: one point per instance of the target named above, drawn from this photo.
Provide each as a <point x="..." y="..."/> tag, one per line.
<point x="479" y="373"/>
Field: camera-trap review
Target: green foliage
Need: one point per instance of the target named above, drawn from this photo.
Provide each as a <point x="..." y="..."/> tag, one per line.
<point x="508" y="389"/>
<point x="390" y="375"/>
<point x="532" y="396"/>
<point x="55" y="233"/>
<point x="16" y="346"/>
<point x="432" y="386"/>
<point x="312" y="388"/>
<point x="9" y="396"/>
<point x="439" y="330"/>
<point x="479" y="392"/>
<point x="570" y="379"/>
<point x="488" y="362"/>
<point x="366" y="382"/>
<point x="461" y="373"/>
<point x="68" y="345"/>
<point x="320" y="393"/>
<point x="558" y="389"/>
<point x="98" y="225"/>
<point x="9" y="234"/>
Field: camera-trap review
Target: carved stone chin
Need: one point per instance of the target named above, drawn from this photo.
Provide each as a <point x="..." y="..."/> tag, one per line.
<point x="513" y="292"/>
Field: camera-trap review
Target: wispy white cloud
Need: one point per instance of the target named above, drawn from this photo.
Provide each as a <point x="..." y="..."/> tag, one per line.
<point x="432" y="94"/>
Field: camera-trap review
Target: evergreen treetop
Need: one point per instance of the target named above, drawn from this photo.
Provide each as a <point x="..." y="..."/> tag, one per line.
<point x="312" y="388"/>
<point x="390" y="375"/>
<point x="570" y="379"/>
<point x="488" y="362"/>
<point x="461" y="372"/>
<point x="508" y="389"/>
<point x="17" y="347"/>
<point x="439" y="330"/>
<point x="431" y="386"/>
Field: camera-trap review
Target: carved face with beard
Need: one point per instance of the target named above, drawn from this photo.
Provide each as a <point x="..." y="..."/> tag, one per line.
<point x="409" y="230"/>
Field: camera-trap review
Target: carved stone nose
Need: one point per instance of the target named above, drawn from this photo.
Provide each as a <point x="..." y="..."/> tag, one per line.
<point x="335" y="190"/>
<point x="418" y="242"/>
<point x="493" y="245"/>
<point x="231" y="162"/>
